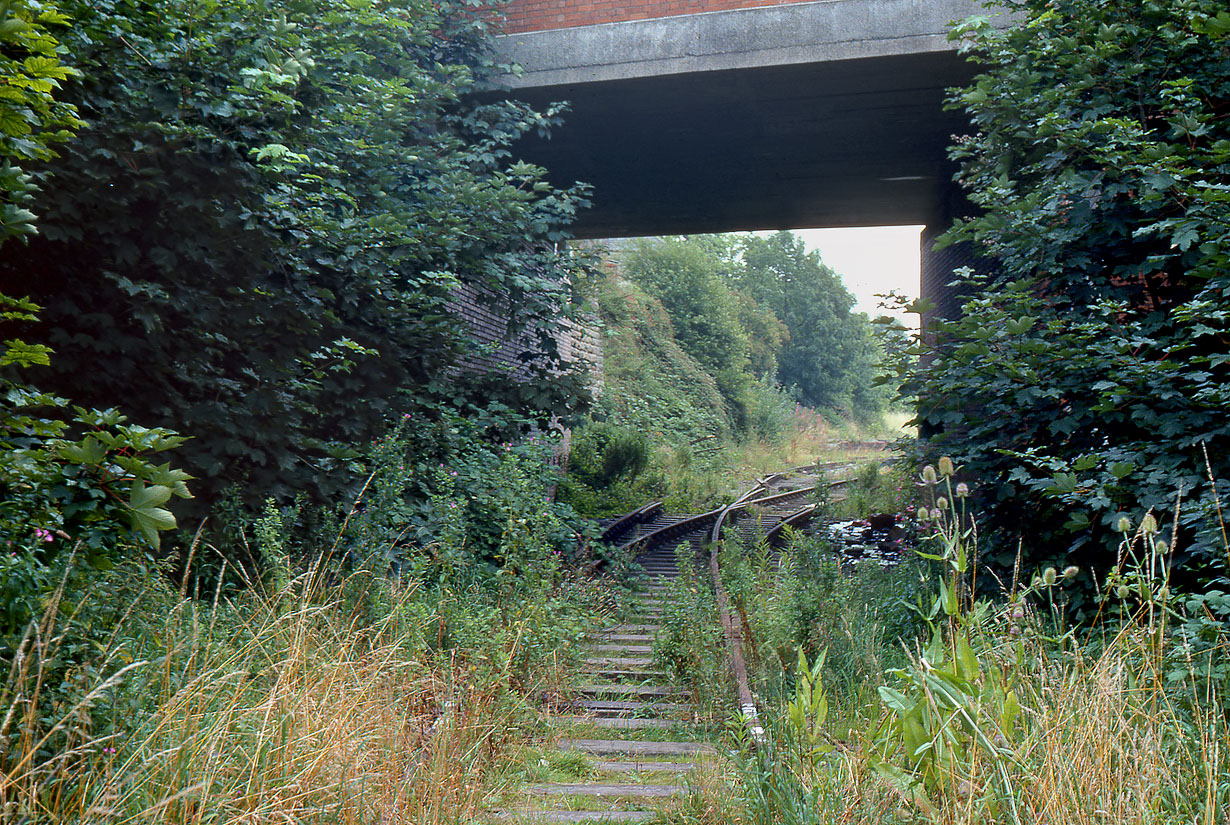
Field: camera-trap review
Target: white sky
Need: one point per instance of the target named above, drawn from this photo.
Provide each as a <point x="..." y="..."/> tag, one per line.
<point x="870" y="260"/>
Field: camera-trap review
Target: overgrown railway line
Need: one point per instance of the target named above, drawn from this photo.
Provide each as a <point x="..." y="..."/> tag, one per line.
<point x="637" y="731"/>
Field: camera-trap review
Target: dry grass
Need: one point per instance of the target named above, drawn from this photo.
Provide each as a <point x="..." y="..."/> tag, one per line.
<point x="285" y="707"/>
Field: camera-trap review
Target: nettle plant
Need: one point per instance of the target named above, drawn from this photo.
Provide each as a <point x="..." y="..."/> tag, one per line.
<point x="76" y="485"/>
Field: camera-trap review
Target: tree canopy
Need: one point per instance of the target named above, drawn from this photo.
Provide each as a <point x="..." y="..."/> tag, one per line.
<point x="254" y="238"/>
<point x="1088" y="380"/>
<point x="830" y="357"/>
<point x="752" y="307"/>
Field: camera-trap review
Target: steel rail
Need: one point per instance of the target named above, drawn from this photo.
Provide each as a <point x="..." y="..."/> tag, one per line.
<point x="626" y="522"/>
<point x="732" y="630"/>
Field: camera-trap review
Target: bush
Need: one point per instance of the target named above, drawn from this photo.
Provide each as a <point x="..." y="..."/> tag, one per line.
<point x="257" y="238"/>
<point x="1088" y="376"/>
<point x="77" y="487"/>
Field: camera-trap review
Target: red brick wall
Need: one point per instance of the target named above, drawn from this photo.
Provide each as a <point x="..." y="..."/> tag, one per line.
<point x="540" y="15"/>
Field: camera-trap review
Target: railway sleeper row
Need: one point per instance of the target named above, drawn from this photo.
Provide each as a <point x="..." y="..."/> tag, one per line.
<point x="640" y="734"/>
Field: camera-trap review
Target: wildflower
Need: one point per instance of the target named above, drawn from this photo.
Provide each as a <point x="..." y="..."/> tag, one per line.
<point x="1148" y="525"/>
<point x="962" y="490"/>
<point x="924" y="514"/>
<point x="43" y="535"/>
<point x="1122" y="591"/>
<point x="1049" y="575"/>
<point x="1162" y="547"/>
<point x="946" y="468"/>
<point x="1123" y="525"/>
<point x="928" y="475"/>
<point x="1070" y="571"/>
<point x="941" y="503"/>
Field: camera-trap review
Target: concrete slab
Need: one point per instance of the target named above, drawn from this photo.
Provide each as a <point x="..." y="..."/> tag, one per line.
<point x="536" y="816"/>
<point x="632" y="690"/>
<point x="620" y="723"/>
<point x="631" y="790"/>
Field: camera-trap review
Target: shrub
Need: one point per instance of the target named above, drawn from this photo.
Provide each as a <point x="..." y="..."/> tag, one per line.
<point x="73" y="483"/>
<point x="1087" y="377"/>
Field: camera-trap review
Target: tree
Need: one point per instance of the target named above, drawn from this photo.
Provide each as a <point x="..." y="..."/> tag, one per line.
<point x="71" y="479"/>
<point x="689" y="276"/>
<point x="255" y="239"/>
<point x="1088" y="380"/>
<point x="831" y="357"/>
<point x="32" y="117"/>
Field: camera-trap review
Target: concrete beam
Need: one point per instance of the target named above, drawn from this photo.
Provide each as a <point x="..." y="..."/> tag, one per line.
<point x="780" y="117"/>
<point x="792" y="34"/>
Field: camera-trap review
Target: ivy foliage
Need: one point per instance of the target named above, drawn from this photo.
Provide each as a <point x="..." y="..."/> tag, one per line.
<point x="256" y="238"/>
<point x="1089" y="378"/>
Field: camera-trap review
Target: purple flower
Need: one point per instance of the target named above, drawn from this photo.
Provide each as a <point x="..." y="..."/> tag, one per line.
<point x="44" y="535"/>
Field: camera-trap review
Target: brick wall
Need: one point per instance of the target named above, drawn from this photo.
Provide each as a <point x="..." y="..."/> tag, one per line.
<point x="579" y="342"/>
<point x="541" y="15"/>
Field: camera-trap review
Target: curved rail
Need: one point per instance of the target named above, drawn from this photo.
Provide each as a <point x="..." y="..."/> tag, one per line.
<point x="731" y="629"/>
<point x="795" y="519"/>
<point x="625" y="523"/>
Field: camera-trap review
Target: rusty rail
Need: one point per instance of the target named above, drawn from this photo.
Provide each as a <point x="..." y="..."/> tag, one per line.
<point x="731" y="629"/>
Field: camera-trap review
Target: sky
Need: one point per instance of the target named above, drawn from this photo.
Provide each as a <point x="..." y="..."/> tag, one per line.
<point x="870" y="260"/>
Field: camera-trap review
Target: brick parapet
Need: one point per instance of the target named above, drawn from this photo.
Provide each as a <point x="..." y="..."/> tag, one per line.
<point x="521" y="16"/>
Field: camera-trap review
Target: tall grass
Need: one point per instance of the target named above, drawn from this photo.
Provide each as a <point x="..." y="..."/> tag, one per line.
<point x="995" y="712"/>
<point x="312" y="701"/>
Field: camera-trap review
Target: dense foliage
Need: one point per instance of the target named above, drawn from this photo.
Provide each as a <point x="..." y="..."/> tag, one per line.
<point x="76" y="484"/>
<point x="753" y="308"/>
<point x="829" y="355"/>
<point x="256" y="238"/>
<point x="1089" y="379"/>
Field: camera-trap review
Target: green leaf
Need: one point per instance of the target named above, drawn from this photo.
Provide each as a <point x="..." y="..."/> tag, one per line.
<point x="148" y="518"/>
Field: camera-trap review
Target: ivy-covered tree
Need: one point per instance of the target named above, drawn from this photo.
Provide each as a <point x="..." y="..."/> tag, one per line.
<point x="255" y="239"/>
<point x="1089" y="378"/>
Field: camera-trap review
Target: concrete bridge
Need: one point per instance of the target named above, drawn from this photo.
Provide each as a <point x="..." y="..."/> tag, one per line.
<point x="721" y="115"/>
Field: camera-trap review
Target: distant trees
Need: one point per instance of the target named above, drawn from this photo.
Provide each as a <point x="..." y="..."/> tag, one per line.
<point x="753" y="307"/>
<point x="1090" y="379"/>
<point x="830" y="357"/>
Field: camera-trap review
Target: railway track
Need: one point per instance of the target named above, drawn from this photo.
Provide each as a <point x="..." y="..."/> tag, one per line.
<point x="627" y="721"/>
<point x="771" y="500"/>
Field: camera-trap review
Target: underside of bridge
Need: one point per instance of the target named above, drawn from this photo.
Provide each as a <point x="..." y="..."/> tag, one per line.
<point x="806" y="114"/>
<point x="791" y="116"/>
<point x="846" y="143"/>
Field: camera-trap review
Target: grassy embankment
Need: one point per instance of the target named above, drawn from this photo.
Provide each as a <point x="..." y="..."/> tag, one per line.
<point x="678" y="432"/>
